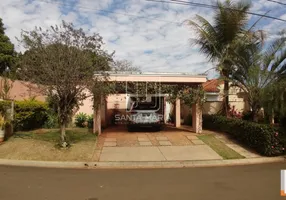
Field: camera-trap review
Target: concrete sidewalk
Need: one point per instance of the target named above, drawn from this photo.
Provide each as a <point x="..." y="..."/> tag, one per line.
<point x="159" y="153"/>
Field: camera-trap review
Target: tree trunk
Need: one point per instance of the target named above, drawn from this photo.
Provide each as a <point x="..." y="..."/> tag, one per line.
<point x="255" y="113"/>
<point x="255" y="116"/>
<point x="272" y="117"/>
<point x="226" y="98"/>
<point x="97" y="112"/>
<point x="63" y="133"/>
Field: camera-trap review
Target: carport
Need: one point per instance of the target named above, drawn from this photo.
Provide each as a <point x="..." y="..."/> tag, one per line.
<point x="163" y="78"/>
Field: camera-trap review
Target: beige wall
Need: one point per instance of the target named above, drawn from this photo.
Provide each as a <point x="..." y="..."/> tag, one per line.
<point x="235" y="94"/>
<point x="21" y="90"/>
<point x="215" y="107"/>
<point x="87" y="108"/>
<point x="115" y="101"/>
<point x="86" y="105"/>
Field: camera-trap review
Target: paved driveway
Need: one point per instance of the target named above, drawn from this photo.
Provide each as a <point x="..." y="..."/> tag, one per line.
<point x="119" y="136"/>
<point x="117" y="144"/>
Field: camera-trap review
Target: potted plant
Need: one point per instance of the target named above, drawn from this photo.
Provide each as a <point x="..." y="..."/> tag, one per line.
<point x="2" y="126"/>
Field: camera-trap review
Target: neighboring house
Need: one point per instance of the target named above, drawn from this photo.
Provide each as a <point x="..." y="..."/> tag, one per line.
<point x="214" y="97"/>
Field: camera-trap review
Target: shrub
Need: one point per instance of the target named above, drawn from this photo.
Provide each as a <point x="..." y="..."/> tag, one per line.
<point x="282" y="122"/>
<point x="4" y="106"/>
<point x="234" y="112"/>
<point x="247" y="116"/>
<point x="90" y="121"/>
<point x="52" y="120"/>
<point x="81" y="120"/>
<point x="260" y="137"/>
<point x="30" y="114"/>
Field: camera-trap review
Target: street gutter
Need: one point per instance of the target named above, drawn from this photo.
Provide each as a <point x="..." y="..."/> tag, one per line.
<point x="141" y="164"/>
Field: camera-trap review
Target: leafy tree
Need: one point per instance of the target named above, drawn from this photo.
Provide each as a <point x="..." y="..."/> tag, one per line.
<point x="261" y="73"/>
<point x="274" y="101"/>
<point x="5" y="85"/>
<point x="218" y="40"/>
<point x="7" y="53"/>
<point x="125" y="65"/>
<point x="62" y="60"/>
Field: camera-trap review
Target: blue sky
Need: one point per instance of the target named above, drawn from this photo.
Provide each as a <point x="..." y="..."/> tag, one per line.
<point x="151" y="35"/>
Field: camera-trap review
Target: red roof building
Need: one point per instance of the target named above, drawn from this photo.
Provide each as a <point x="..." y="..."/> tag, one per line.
<point x="212" y="85"/>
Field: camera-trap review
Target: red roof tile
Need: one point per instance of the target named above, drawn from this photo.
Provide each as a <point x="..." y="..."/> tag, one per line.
<point x="212" y="85"/>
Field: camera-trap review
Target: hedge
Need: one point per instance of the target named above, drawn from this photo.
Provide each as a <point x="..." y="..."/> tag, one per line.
<point x="28" y="114"/>
<point x="262" y="138"/>
<point x="4" y="105"/>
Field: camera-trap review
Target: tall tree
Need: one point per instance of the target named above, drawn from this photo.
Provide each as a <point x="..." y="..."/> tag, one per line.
<point x="261" y="73"/>
<point x="62" y="60"/>
<point x="7" y="53"/>
<point x="218" y="39"/>
<point x="125" y="65"/>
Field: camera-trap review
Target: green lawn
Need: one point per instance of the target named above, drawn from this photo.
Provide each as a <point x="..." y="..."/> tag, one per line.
<point x="73" y="135"/>
<point x="219" y="147"/>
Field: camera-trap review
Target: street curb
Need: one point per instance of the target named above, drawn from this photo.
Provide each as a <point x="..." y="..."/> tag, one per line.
<point x="141" y="164"/>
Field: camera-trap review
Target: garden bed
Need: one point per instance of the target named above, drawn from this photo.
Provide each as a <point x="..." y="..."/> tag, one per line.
<point x="264" y="139"/>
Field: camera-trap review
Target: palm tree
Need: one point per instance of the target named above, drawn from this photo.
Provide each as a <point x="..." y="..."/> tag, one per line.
<point x="261" y="73"/>
<point x="218" y="40"/>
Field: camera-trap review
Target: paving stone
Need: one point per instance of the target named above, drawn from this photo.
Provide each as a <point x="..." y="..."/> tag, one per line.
<point x="165" y="143"/>
<point x="192" y="137"/>
<point x="110" y="140"/>
<point x="220" y="136"/>
<point x="144" y="143"/>
<point x="194" y="152"/>
<point x="109" y="144"/>
<point x="143" y="140"/>
<point x="162" y="138"/>
<point x="197" y="142"/>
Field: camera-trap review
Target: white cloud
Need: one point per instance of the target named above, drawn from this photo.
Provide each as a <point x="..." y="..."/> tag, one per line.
<point x="129" y="27"/>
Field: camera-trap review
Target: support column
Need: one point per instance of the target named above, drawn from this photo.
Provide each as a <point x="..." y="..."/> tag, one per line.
<point x="97" y="120"/>
<point x="177" y="113"/>
<point x="103" y="113"/>
<point x="197" y="118"/>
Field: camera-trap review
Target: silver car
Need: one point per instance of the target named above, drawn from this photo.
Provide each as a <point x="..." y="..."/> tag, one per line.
<point x="145" y="114"/>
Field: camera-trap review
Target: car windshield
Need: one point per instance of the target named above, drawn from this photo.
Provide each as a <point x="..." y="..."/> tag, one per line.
<point x="153" y="105"/>
<point x="144" y="106"/>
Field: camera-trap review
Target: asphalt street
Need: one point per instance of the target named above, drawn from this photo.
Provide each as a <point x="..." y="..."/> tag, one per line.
<point x="253" y="182"/>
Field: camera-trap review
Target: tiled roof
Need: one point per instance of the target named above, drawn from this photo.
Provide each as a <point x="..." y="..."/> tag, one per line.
<point x="212" y="85"/>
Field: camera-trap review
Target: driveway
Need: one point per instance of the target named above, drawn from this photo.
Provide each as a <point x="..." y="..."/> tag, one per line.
<point x="119" y="136"/>
<point x="170" y="144"/>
